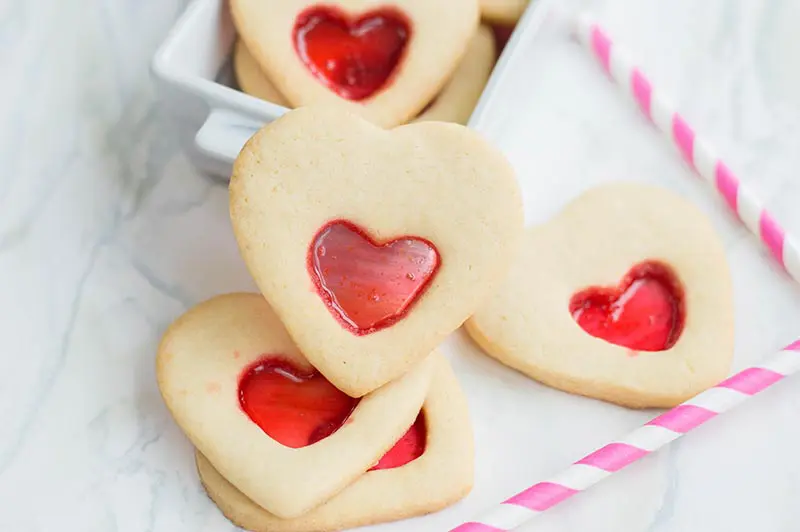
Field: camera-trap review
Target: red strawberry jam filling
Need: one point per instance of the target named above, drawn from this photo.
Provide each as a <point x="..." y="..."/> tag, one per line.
<point x="367" y="285"/>
<point x="645" y="312"/>
<point x="299" y="408"/>
<point x="355" y="57"/>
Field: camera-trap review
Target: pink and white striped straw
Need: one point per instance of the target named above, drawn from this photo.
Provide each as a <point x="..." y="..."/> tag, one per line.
<point x="673" y="424"/>
<point x="657" y="433"/>
<point x="694" y="149"/>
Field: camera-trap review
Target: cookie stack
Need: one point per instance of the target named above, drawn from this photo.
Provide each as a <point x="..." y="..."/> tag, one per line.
<point x="320" y="403"/>
<point x="414" y="61"/>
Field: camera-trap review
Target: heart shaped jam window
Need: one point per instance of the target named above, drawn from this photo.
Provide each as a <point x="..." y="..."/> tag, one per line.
<point x="293" y="407"/>
<point x="644" y="313"/>
<point x="408" y="448"/>
<point x="369" y="286"/>
<point x="299" y="408"/>
<point x="353" y="56"/>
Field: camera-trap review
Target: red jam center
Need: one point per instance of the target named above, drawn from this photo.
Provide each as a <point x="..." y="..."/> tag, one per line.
<point x="369" y="286"/>
<point x="408" y="448"/>
<point x="644" y="313"/>
<point x="294" y="408"/>
<point x="298" y="409"/>
<point x="354" y="57"/>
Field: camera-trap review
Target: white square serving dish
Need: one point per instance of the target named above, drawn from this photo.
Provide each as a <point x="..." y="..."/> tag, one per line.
<point x="193" y="69"/>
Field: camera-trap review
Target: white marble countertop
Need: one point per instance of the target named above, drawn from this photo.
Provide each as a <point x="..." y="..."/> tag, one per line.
<point x="108" y="232"/>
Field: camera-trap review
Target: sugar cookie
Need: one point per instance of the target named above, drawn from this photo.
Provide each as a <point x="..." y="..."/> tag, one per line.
<point x="250" y="78"/>
<point x="207" y="366"/>
<point x="461" y="94"/>
<point x="382" y="62"/>
<point x="562" y="305"/>
<point x="506" y="12"/>
<point x="438" y="478"/>
<point x="385" y="241"/>
<point x="454" y="103"/>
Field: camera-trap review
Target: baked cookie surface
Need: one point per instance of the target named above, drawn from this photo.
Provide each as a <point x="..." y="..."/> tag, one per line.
<point x="250" y="78"/>
<point x="203" y="366"/>
<point x="461" y="93"/>
<point x="385" y="241"/>
<point x="384" y="62"/>
<point x="625" y="263"/>
<point x="442" y="475"/>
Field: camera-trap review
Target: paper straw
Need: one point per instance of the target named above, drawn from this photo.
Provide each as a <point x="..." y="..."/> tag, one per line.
<point x="697" y="153"/>
<point x="657" y="433"/>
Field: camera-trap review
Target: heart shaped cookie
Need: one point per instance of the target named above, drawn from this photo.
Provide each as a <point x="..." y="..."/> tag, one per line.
<point x="440" y="476"/>
<point x="372" y="245"/>
<point x="505" y="12"/>
<point x="624" y="296"/>
<point x="454" y="103"/>
<point x="252" y="404"/>
<point x="382" y="61"/>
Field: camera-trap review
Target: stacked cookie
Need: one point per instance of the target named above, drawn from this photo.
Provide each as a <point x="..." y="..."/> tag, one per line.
<point x="320" y="403"/>
<point x="414" y="61"/>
